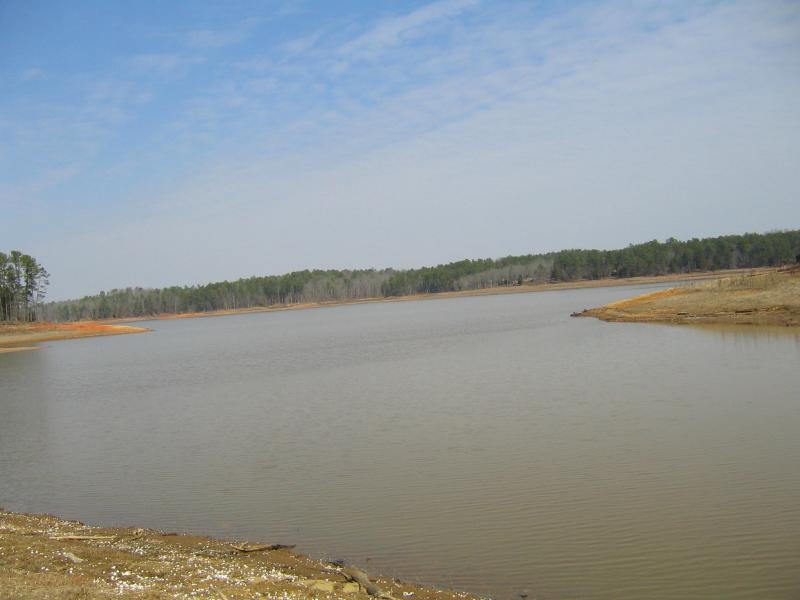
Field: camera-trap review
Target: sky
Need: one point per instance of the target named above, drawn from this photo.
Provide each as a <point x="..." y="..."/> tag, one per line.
<point x="159" y="143"/>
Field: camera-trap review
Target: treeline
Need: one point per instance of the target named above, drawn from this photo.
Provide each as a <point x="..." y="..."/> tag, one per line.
<point x="292" y="288"/>
<point x="23" y="284"/>
<point x="673" y="256"/>
<point x="651" y="258"/>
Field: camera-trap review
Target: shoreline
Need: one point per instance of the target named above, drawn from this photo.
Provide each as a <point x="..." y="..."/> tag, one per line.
<point x="43" y="556"/>
<point x="761" y="298"/>
<point x="20" y="337"/>
<point x="493" y="291"/>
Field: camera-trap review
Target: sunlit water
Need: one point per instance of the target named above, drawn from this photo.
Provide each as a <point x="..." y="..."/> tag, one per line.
<point x="491" y="444"/>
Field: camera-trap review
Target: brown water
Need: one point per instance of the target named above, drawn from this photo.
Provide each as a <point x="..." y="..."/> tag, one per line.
<point x="490" y="444"/>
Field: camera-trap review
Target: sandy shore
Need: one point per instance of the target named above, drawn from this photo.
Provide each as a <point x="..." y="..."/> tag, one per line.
<point x="18" y="337"/>
<point x="45" y="557"/>
<point x="770" y="297"/>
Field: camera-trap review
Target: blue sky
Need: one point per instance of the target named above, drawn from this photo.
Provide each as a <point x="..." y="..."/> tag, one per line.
<point x="158" y="143"/>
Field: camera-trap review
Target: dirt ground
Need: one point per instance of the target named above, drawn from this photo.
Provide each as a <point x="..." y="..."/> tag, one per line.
<point x="759" y="298"/>
<point x="42" y="557"/>
<point x="16" y="337"/>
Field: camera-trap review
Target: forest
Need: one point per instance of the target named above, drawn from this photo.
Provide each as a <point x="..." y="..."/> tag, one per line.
<point x="23" y="284"/>
<point x="651" y="258"/>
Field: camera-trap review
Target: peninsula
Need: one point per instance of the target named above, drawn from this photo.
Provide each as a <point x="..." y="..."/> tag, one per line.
<point x="769" y="297"/>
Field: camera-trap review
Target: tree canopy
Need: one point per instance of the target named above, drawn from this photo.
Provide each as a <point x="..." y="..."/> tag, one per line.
<point x="23" y="284"/>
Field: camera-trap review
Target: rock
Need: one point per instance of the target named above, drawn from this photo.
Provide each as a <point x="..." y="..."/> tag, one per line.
<point x="73" y="558"/>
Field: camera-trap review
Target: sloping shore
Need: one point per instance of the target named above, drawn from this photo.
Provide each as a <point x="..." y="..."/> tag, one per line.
<point x="525" y="288"/>
<point x="45" y="557"/>
<point x="17" y="337"/>
<point x="759" y="298"/>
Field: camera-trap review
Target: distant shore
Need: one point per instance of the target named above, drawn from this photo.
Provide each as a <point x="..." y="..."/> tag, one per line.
<point x="16" y="337"/>
<point x="46" y="557"/>
<point x="525" y="288"/>
<point x="763" y="297"/>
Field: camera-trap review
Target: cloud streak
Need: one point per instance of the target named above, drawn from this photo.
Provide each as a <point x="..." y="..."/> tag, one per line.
<point x="219" y="38"/>
<point x="391" y="32"/>
<point x="162" y="62"/>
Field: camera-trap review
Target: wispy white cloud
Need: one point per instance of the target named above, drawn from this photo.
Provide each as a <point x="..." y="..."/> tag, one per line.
<point x="262" y="85"/>
<point x="395" y="30"/>
<point x="207" y="38"/>
<point x="32" y="74"/>
<point x="162" y="62"/>
<point x="645" y="52"/>
<point x="256" y="63"/>
<point x="53" y="143"/>
<point x="218" y="38"/>
<point x="301" y="44"/>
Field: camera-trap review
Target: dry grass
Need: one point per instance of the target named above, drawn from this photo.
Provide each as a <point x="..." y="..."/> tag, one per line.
<point x="758" y="298"/>
<point x="137" y="563"/>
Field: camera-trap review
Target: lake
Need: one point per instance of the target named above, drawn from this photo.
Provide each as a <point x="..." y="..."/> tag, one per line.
<point x="491" y="444"/>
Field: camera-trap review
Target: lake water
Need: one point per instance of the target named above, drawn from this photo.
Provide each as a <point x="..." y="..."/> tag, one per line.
<point x="491" y="444"/>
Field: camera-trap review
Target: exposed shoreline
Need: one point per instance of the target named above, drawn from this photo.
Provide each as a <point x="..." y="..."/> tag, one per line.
<point x="494" y="291"/>
<point x="42" y="556"/>
<point x="764" y="298"/>
<point x="19" y="337"/>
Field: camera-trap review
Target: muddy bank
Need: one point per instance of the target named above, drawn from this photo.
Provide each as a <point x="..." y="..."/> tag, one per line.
<point x="46" y="557"/>
<point x="17" y="337"/>
<point x="769" y="297"/>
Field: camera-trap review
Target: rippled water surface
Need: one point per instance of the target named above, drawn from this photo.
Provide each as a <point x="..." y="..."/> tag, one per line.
<point x="490" y="444"/>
